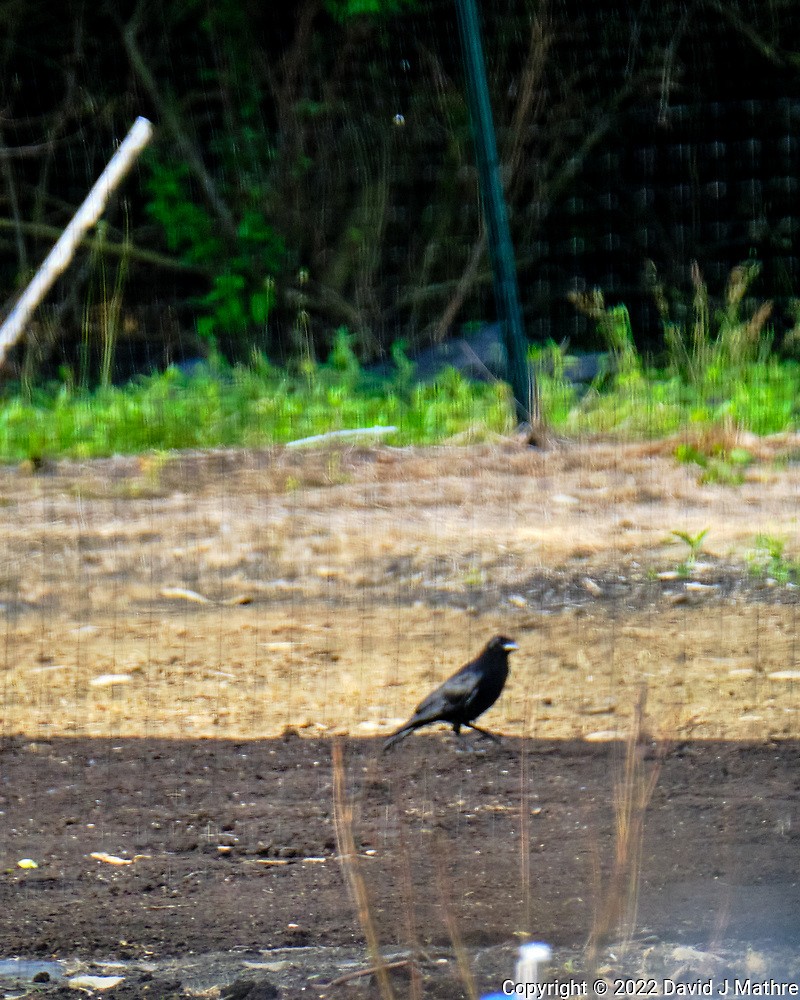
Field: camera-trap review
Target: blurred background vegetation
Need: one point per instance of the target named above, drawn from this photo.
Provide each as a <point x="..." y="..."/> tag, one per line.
<point x="313" y="176"/>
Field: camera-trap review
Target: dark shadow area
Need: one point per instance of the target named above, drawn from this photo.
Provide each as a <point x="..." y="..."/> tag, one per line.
<point x="233" y="844"/>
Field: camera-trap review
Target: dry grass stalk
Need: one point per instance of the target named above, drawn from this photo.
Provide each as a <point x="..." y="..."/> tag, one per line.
<point x="462" y="958"/>
<point x="717" y="340"/>
<point x="407" y="889"/>
<point x="634" y="785"/>
<point x="525" y="843"/>
<point x="402" y="963"/>
<point x="701" y="327"/>
<point x="348" y="858"/>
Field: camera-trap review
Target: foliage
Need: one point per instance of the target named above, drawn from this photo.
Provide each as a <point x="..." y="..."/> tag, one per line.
<point x="187" y="226"/>
<point x="765" y="399"/>
<point x="331" y="139"/>
<point x="557" y="395"/>
<point x="242" y="275"/>
<point x="257" y="404"/>
<point x="719" y="463"/>
<point x="712" y="343"/>
<point x="767" y="560"/>
<point x="244" y="405"/>
<point x="341" y="10"/>
<point x="694" y="543"/>
<point x="719" y="369"/>
<point x="613" y="325"/>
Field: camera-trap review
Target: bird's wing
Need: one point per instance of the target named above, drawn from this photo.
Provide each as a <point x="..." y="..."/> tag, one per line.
<point x="454" y="693"/>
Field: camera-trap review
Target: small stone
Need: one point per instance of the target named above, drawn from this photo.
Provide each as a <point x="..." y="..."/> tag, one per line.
<point x="784" y="675"/>
<point x="94" y="982"/>
<point x="591" y="587"/>
<point x="109" y="680"/>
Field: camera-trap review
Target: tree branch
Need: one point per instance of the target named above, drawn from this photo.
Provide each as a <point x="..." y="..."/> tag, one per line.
<point x="16" y="218"/>
<point x="171" y="119"/>
<point x="40" y="230"/>
<point x="465" y="283"/>
<point x="767" y="49"/>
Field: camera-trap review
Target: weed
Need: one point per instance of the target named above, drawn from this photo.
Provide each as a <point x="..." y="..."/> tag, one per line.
<point x="695" y="545"/>
<point x="244" y="405"/>
<point x="557" y="396"/>
<point x="613" y="325"/>
<point x="474" y="576"/>
<point x="719" y="367"/>
<point x="348" y="858"/>
<point x="722" y="463"/>
<point x="405" y="368"/>
<point x="258" y="404"/>
<point x="462" y="957"/>
<point x="634" y="784"/>
<point x="721" y="474"/>
<point x="110" y="303"/>
<point x="712" y="346"/>
<point x="767" y="560"/>
<point x="343" y="359"/>
<point x="687" y="453"/>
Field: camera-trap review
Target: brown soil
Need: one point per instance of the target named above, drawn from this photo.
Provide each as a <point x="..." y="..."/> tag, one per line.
<point x="187" y="635"/>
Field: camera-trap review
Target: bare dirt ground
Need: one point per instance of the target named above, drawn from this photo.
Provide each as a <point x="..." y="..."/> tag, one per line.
<point x="187" y="635"/>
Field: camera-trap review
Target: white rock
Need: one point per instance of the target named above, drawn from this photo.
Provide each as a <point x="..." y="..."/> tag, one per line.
<point x="94" y="982"/>
<point x="107" y="680"/>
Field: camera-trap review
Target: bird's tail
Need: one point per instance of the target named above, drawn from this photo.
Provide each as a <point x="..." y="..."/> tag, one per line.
<point x="398" y="735"/>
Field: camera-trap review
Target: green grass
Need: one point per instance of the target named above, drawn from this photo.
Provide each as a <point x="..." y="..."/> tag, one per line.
<point x="258" y="405"/>
<point x="719" y="463"/>
<point x="767" y="560"/>
<point x="244" y="406"/>
<point x="718" y="365"/>
<point x="763" y="398"/>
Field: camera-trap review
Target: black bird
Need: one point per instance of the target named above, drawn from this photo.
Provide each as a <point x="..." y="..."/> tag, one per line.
<point x="465" y="695"/>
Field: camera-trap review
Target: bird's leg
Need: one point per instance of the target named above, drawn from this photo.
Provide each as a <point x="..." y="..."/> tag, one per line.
<point x="484" y="732"/>
<point x="462" y="746"/>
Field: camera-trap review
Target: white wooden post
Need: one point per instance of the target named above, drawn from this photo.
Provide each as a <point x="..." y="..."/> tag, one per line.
<point x="86" y="216"/>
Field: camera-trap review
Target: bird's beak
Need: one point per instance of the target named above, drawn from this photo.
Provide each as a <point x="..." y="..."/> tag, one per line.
<point x="510" y="646"/>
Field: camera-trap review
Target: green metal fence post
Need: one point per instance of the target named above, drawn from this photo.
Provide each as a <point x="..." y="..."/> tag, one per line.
<point x="501" y="251"/>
